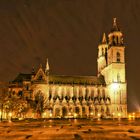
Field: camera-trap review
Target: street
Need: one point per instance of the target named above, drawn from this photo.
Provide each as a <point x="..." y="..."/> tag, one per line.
<point x="70" y="129"/>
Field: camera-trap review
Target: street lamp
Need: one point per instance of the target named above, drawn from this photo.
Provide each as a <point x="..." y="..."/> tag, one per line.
<point x="75" y="115"/>
<point x="133" y="115"/>
<point x="99" y="115"/>
<point x="10" y="115"/>
<point x="119" y="116"/>
<point x="50" y="114"/>
<point x="44" y="114"/>
<point x="91" y="113"/>
<point x="129" y="117"/>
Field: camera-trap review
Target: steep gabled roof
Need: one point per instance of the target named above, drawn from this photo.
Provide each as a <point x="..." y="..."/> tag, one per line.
<point x="65" y="79"/>
<point x="22" y="77"/>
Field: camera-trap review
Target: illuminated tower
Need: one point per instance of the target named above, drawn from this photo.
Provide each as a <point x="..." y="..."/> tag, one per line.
<point x="111" y="64"/>
<point x="102" y="54"/>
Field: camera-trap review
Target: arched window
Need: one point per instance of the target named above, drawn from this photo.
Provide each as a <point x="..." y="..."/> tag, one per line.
<point x="118" y="57"/>
<point x="98" y="92"/>
<point x="102" y="51"/>
<point x="103" y="93"/>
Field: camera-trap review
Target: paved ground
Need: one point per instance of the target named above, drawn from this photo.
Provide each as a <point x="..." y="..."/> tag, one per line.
<point x="73" y="129"/>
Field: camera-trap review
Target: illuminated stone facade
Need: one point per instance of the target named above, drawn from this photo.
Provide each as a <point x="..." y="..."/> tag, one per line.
<point x="104" y="95"/>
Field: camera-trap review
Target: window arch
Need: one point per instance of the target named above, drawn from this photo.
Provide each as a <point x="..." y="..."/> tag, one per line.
<point x="118" y="56"/>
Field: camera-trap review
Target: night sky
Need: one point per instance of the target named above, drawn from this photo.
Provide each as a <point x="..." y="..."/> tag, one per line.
<point x="68" y="33"/>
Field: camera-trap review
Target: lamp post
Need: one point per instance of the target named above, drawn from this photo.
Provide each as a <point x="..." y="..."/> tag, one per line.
<point x="44" y="115"/>
<point x="10" y="117"/>
<point x="99" y="116"/>
<point x="75" y="115"/>
<point x="119" y="116"/>
<point x="133" y="115"/>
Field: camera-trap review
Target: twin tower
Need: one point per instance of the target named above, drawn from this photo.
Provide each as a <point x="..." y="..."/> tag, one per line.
<point x="111" y="64"/>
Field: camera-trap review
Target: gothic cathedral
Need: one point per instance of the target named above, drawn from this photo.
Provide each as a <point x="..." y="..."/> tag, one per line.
<point x="62" y="96"/>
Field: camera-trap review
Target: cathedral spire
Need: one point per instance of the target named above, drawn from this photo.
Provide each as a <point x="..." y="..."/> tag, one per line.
<point x="115" y="25"/>
<point x="104" y="41"/>
<point x="47" y="66"/>
<point x="40" y="65"/>
<point x="115" y="37"/>
<point x="33" y="70"/>
<point x="114" y="22"/>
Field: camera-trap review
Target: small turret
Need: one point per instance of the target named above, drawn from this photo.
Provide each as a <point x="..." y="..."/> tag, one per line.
<point x="104" y="41"/>
<point x="102" y="54"/>
<point x="47" y="68"/>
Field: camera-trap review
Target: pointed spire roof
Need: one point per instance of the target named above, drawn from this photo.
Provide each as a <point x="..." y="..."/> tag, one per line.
<point x="104" y="41"/>
<point x="71" y="101"/>
<point x="64" y="101"/>
<point x="57" y="101"/>
<point x="102" y="101"/>
<point x="47" y="66"/>
<point x="77" y="101"/>
<point x="51" y="101"/>
<point x="84" y="102"/>
<point x="40" y="65"/>
<point x="115" y="25"/>
<point x="33" y="70"/>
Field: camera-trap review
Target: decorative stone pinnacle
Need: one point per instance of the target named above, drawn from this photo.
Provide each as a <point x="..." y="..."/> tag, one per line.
<point x="104" y="39"/>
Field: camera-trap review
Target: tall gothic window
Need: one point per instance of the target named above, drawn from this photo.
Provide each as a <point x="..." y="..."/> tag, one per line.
<point x="118" y="56"/>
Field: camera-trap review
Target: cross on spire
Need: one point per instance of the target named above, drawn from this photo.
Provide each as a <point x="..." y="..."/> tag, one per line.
<point x="115" y="25"/>
<point x="114" y="22"/>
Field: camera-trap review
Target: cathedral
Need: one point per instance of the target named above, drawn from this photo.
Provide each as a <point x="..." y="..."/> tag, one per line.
<point x="62" y="96"/>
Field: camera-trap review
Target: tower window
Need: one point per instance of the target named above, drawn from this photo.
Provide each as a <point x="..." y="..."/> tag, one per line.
<point x="118" y="57"/>
<point x="118" y="77"/>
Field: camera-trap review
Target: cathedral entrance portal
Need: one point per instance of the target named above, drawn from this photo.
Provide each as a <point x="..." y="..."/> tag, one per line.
<point x="39" y="104"/>
<point x="57" y="112"/>
<point x="64" y="112"/>
<point x="84" y="114"/>
<point x="77" y="111"/>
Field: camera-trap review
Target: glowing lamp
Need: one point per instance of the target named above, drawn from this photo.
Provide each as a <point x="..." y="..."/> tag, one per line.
<point x="114" y="86"/>
<point x="119" y="115"/>
<point x="50" y="114"/>
<point x="10" y="114"/>
<point x="44" y="114"/>
<point x="91" y="113"/>
<point x="99" y="115"/>
<point x="75" y="115"/>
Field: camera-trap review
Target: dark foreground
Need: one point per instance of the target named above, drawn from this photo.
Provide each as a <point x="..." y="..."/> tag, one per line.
<point x="74" y="129"/>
